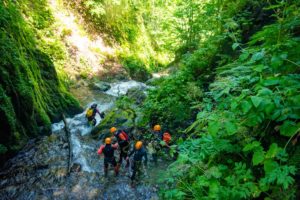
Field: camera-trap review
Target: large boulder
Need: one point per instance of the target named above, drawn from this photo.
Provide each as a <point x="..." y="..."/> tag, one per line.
<point x="136" y="94"/>
<point x="101" y="86"/>
<point x="119" y="118"/>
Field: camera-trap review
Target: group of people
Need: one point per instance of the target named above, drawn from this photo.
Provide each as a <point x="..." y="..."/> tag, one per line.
<point x="138" y="153"/>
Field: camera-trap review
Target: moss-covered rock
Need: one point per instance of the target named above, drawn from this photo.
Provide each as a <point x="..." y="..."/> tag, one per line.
<point x="31" y="94"/>
<point x="119" y="118"/>
<point x="137" y="95"/>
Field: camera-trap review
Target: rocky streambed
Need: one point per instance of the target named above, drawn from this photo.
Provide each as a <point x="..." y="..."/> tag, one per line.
<point x="43" y="170"/>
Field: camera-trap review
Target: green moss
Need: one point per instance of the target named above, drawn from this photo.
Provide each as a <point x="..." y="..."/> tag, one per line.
<point x="31" y="93"/>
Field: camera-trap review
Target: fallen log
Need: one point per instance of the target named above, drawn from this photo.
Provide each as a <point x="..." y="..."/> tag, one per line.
<point x="68" y="136"/>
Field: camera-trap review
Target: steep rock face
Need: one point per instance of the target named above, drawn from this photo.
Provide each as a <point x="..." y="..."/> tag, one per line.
<point x="31" y="95"/>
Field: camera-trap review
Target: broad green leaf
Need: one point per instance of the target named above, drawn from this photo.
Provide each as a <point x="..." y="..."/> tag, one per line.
<point x="234" y="105"/>
<point x="256" y="100"/>
<point x="244" y="56"/>
<point x="257" y="56"/>
<point x="289" y="128"/>
<point x="251" y="146"/>
<point x="265" y="92"/>
<point x="214" y="187"/>
<point x="230" y="127"/>
<point x="259" y="68"/>
<point x="269" y="108"/>
<point x="284" y="55"/>
<point x="258" y="157"/>
<point x="296" y="99"/>
<point x="235" y="45"/>
<point x="253" y="120"/>
<point x="270" y="82"/>
<point x="201" y="115"/>
<point x="276" y="114"/>
<point x="213" y="127"/>
<point x="276" y="61"/>
<point x="246" y="106"/>
<point x="273" y="150"/>
<point x="270" y="165"/>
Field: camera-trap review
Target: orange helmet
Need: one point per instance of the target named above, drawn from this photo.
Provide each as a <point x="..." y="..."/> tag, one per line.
<point x="138" y="145"/>
<point x="113" y="129"/>
<point x="157" y="127"/>
<point x="108" y="140"/>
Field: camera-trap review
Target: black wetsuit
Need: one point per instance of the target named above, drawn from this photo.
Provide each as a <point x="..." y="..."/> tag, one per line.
<point x="157" y="138"/>
<point x="109" y="157"/>
<point x="124" y="148"/>
<point x="137" y="160"/>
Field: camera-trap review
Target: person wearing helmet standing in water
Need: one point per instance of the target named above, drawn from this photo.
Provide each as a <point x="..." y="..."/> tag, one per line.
<point x="123" y="141"/>
<point x="108" y="150"/>
<point x="138" y="153"/>
<point x="91" y="114"/>
<point x="155" y="144"/>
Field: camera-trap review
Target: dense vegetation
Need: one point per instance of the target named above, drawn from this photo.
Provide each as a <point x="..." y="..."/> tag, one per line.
<point x="31" y="93"/>
<point x="232" y="104"/>
<point x="240" y="87"/>
<point x="135" y="27"/>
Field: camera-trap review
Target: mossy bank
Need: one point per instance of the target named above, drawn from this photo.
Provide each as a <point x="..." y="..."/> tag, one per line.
<point x="31" y="93"/>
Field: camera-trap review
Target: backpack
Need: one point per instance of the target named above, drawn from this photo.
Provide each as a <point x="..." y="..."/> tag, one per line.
<point x="122" y="135"/>
<point x="89" y="113"/>
<point x="167" y="137"/>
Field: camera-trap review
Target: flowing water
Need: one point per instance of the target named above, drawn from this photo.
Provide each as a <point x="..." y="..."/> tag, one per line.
<point x="40" y="170"/>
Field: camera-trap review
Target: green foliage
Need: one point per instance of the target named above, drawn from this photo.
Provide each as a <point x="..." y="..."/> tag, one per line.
<point x="133" y="26"/>
<point x="237" y="147"/>
<point x="31" y="94"/>
<point x="171" y="103"/>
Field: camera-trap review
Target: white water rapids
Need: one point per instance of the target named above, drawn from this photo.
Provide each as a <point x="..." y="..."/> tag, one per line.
<point x="79" y="127"/>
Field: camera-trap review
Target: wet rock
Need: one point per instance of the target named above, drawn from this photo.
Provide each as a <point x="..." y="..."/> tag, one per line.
<point x="121" y="88"/>
<point x="101" y="86"/>
<point x="76" y="167"/>
<point x="65" y="146"/>
<point x="118" y="118"/>
<point x="137" y="95"/>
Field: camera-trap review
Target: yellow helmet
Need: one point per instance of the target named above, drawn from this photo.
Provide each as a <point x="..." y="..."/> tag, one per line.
<point x="157" y="127"/>
<point x="113" y="129"/>
<point x="138" y="145"/>
<point x="108" y="140"/>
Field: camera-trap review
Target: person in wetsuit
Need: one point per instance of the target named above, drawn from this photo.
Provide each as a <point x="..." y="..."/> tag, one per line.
<point x="138" y="153"/>
<point x="108" y="150"/>
<point x="91" y="114"/>
<point x="123" y="141"/>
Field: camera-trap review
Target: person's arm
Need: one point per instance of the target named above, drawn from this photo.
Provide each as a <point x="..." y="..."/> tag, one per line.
<point x="97" y="111"/>
<point x="115" y="146"/>
<point x="100" y="150"/>
<point x="122" y="142"/>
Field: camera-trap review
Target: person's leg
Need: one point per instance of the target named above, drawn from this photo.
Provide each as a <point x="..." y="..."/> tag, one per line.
<point x="116" y="166"/>
<point x="154" y="156"/>
<point x="133" y="171"/>
<point x="121" y="158"/>
<point x="94" y="121"/>
<point x="127" y="160"/>
<point x="105" y="167"/>
<point x="138" y="169"/>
